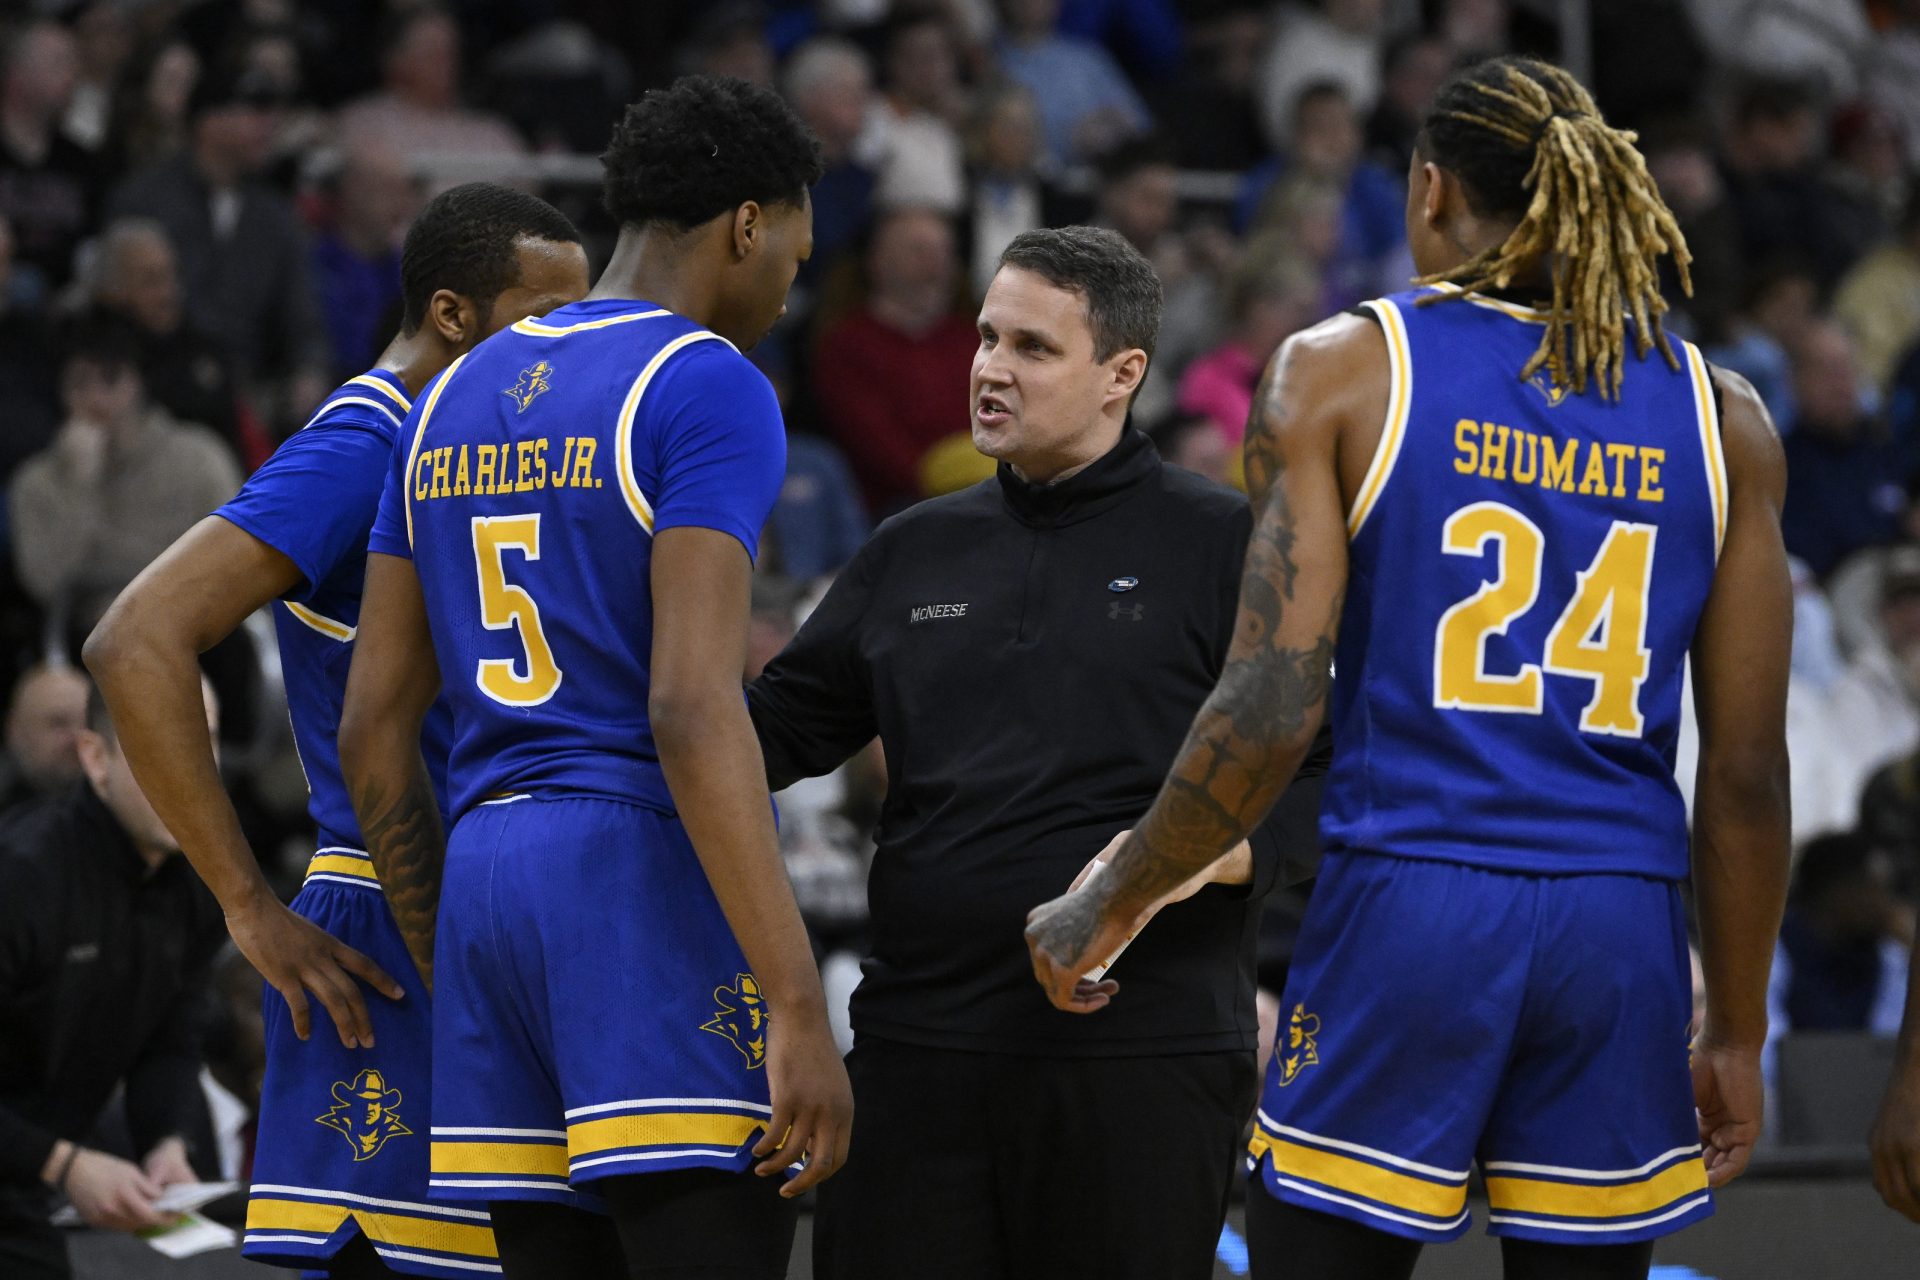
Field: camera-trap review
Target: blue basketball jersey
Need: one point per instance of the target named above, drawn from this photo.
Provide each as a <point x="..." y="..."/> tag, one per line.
<point x="1527" y="569"/>
<point x="528" y="485"/>
<point x="314" y="502"/>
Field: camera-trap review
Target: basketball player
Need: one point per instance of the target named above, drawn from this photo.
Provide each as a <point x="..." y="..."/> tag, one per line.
<point x="340" y="1171"/>
<point x="1511" y="535"/>
<point x="627" y="1014"/>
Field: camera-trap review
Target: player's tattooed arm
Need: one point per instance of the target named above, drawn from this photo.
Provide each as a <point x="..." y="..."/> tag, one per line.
<point x="1261" y="718"/>
<point x="390" y="689"/>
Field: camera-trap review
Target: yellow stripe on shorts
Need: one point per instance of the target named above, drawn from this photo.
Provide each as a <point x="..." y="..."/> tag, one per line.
<point x="1582" y="1200"/>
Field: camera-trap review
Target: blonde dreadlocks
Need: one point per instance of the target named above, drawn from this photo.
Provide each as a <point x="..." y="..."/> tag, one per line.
<point x="1525" y="138"/>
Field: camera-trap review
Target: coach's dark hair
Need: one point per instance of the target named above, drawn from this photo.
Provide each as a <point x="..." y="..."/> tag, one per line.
<point x="466" y="240"/>
<point x="1526" y="141"/>
<point x="1118" y="285"/>
<point x="703" y="146"/>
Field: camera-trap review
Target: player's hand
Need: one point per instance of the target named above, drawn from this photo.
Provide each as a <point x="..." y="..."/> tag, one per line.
<point x="113" y="1194"/>
<point x="1729" y="1097"/>
<point x="296" y="956"/>
<point x="1235" y="867"/>
<point x="812" y="1102"/>
<point x="1895" y="1143"/>
<point x="167" y="1163"/>
<point x="1065" y="938"/>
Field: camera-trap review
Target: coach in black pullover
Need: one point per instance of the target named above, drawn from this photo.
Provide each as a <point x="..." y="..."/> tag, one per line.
<point x="1031" y="657"/>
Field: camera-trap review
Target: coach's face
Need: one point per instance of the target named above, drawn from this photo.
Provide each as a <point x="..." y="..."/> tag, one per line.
<point x="1041" y="401"/>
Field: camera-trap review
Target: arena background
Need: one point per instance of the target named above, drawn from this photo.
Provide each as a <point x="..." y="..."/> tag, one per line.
<point x="1255" y="151"/>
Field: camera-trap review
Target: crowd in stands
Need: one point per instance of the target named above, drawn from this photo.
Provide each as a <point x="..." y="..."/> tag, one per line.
<point x="201" y="203"/>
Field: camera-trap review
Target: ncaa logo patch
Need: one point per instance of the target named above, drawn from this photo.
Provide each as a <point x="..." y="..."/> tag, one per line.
<point x="1302" y="1049"/>
<point x="742" y="1018"/>
<point x="366" y="1113"/>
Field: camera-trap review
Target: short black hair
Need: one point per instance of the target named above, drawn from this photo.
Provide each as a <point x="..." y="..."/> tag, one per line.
<point x="703" y="146"/>
<point x="103" y="338"/>
<point x="466" y="240"/>
<point x="1122" y="294"/>
<point x="1130" y="155"/>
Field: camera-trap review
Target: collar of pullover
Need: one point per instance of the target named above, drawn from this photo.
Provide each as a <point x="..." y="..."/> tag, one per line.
<point x="1105" y="483"/>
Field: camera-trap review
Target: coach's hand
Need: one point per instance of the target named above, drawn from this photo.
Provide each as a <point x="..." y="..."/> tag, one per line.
<point x="812" y="1101"/>
<point x="1895" y="1144"/>
<point x="113" y="1194"/>
<point x="1729" y="1097"/>
<point x="296" y="956"/>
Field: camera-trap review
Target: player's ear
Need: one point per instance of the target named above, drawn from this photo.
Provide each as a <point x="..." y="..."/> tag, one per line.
<point x="749" y="225"/>
<point x="1439" y="193"/>
<point x="454" y="318"/>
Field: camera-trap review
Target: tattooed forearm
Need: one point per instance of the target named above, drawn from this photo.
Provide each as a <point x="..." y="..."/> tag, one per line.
<point x="401" y="825"/>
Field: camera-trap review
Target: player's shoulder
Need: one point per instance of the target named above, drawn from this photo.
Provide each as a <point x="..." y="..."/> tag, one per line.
<point x="366" y="402"/>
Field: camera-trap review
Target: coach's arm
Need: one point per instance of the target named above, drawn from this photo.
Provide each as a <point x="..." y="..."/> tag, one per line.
<point x="1741" y="820"/>
<point x="390" y="688"/>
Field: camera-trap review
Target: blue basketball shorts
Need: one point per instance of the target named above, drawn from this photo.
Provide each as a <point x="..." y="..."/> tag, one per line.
<point x="343" y="1133"/>
<point x="1439" y="1015"/>
<point x="593" y="1015"/>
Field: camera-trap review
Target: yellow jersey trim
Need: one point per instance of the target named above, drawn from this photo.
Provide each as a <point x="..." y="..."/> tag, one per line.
<point x="545" y="1159"/>
<point x="1578" y="1200"/>
<point x="1393" y="434"/>
<point x="384" y="387"/>
<point x="326" y="626"/>
<point x="662" y="1129"/>
<point x="1344" y="1173"/>
<point x="1710" y="448"/>
<point x="419" y="434"/>
<point x="535" y="329"/>
<point x="387" y="1228"/>
<point x="623" y="433"/>
<point x="1530" y="315"/>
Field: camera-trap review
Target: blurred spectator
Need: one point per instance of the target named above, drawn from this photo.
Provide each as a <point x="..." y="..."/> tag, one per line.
<point x="1781" y="303"/>
<point x="1010" y="193"/>
<point x="1890" y="813"/>
<point x="243" y="257"/>
<point x="831" y="88"/>
<point x="890" y="374"/>
<point x="1841" y="963"/>
<point x="272" y="56"/>
<point x="1893" y="71"/>
<point x="418" y="110"/>
<point x="1844" y="474"/>
<point x="910" y="140"/>
<point x="1770" y="151"/>
<point x="731" y="40"/>
<point x="818" y="521"/>
<point x="1412" y="70"/>
<point x="1473" y="29"/>
<point x="150" y="107"/>
<point x="1331" y="40"/>
<point x="1144" y="34"/>
<point x="1207" y="108"/>
<point x="1325" y="150"/>
<point x="1680" y="159"/>
<point x="103" y="34"/>
<point x="120" y="482"/>
<point x="1868" y="166"/>
<point x="1879" y="300"/>
<point x="1822" y="41"/>
<point x="1200" y="444"/>
<point x="1086" y="103"/>
<point x="1875" y="706"/>
<point x="45" y="715"/>
<point x="106" y="942"/>
<point x="48" y="183"/>
<point x="356" y="260"/>
<point x="1270" y="299"/>
<point x="26" y="365"/>
<point x="135" y="275"/>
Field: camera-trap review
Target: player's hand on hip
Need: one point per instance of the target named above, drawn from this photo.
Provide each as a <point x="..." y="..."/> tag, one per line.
<point x="297" y="957"/>
<point x="812" y="1102"/>
<point x="1065" y="938"/>
<point x="113" y="1194"/>
<point x="1729" y="1096"/>
<point x="1895" y="1143"/>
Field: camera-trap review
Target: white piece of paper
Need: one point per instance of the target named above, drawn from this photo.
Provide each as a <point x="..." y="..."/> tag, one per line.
<point x="181" y="1197"/>
<point x="192" y="1234"/>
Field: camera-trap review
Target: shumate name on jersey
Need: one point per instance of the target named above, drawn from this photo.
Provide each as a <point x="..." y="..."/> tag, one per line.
<point x="528" y="485"/>
<point x="1527" y="570"/>
<point x="314" y="501"/>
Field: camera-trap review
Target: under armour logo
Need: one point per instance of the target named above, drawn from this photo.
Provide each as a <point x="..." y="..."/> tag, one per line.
<point x="1132" y="612"/>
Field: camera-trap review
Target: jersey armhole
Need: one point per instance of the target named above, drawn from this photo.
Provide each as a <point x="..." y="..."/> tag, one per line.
<point x="1708" y="403"/>
<point x="1393" y="431"/>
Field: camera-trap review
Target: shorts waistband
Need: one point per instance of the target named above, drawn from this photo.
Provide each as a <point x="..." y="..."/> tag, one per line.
<point x="339" y="865"/>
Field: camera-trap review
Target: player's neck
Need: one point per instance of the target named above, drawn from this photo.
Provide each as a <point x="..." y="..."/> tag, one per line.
<point x="415" y="358"/>
<point x="663" y="268"/>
